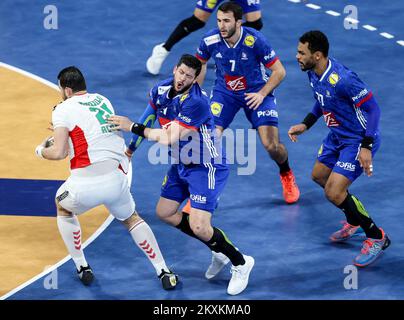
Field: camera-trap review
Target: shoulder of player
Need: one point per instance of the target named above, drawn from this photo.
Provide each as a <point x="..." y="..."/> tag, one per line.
<point x="212" y="37"/>
<point x="161" y="87"/>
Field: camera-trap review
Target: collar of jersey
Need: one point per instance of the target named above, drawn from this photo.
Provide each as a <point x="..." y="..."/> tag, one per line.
<point x="238" y="41"/>
<point x="327" y="70"/>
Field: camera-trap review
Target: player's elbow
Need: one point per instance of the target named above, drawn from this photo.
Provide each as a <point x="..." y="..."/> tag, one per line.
<point x="60" y="154"/>
<point x="282" y="73"/>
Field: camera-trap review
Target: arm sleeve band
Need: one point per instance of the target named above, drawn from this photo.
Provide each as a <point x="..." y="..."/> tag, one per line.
<point x="313" y="116"/>
<point x="148" y="118"/>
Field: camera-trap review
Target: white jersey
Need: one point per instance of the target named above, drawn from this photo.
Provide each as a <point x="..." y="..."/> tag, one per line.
<point x="90" y="137"/>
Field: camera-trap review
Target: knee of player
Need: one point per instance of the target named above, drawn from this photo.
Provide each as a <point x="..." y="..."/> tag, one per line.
<point x="199" y="228"/>
<point x="333" y="195"/>
<point x="271" y="147"/>
<point x="62" y="212"/>
<point x="317" y="179"/>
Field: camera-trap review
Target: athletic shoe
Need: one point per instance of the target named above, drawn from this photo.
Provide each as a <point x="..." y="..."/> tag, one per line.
<point x="371" y="250"/>
<point x="169" y="280"/>
<point x="291" y="192"/>
<point x="86" y="275"/>
<point x="219" y="260"/>
<point x="240" y="275"/>
<point x="157" y="58"/>
<point x="187" y="207"/>
<point x="348" y="231"/>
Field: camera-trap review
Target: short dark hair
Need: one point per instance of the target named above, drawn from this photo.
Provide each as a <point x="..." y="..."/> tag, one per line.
<point x="232" y="7"/>
<point x="317" y="41"/>
<point x="73" y="78"/>
<point x="192" y="62"/>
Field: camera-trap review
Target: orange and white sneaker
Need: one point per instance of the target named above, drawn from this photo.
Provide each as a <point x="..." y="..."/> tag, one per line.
<point x="291" y="191"/>
<point x="187" y="207"/>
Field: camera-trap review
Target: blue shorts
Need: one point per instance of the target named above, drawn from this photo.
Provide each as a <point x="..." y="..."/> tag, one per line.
<point x="225" y="106"/>
<point x="211" y="5"/>
<point x="341" y="155"/>
<point x="202" y="184"/>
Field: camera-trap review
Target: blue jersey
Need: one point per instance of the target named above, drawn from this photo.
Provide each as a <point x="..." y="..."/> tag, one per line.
<point x="192" y="111"/>
<point x="340" y="93"/>
<point x="240" y="68"/>
<point x="246" y="5"/>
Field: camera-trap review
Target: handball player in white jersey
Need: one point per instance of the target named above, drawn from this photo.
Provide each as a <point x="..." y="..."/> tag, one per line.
<point x="98" y="167"/>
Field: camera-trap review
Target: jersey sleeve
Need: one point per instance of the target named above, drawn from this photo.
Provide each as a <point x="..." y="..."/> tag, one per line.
<point x="193" y="115"/>
<point x="354" y="90"/>
<point x="60" y="117"/>
<point x="202" y="52"/>
<point x="265" y="53"/>
<point x="153" y="97"/>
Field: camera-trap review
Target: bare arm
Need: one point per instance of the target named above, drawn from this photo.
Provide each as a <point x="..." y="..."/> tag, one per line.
<point x="60" y="147"/>
<point x="254" y="99"/>
<point x="201" y="78"/>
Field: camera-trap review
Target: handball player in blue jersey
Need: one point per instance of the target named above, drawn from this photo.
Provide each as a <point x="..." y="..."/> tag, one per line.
<point x="352" y="114"/>
<point x="242" y="56"/>
<point x="202" y="12"/>
<point x="199" y="171"/>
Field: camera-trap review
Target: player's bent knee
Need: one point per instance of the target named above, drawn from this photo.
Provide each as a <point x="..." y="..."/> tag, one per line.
<point x="132" y="220"/>
<point x="333" y="195"/>
<point x="271" y="147"/>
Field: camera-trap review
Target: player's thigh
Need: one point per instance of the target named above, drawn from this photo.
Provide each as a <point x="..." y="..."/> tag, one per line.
<point x="206" y="182"/>
<point x="67" y="198"/>
<point x="174" y="191"/>
<point x="320" y="173"/>
<point x="202" y="14"/>
<point x="265" y="115"/>
<point x="224" y="108"/>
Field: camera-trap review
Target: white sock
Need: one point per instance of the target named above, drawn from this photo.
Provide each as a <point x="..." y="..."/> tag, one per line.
<point x="145" y="240"/>
<point x="70" y="230"/>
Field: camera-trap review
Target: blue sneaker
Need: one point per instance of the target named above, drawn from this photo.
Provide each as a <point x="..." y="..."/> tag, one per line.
<point x="348" y="231"/>
<point x="371" y="250"/>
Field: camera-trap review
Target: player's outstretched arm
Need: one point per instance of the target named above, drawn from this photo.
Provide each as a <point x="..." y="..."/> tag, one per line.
<point x="201" y="78"/>
<point x="148" y="118"/>
<point x="296" y="130"/>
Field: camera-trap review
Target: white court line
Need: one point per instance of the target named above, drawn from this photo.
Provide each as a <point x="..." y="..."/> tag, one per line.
<point x="294" y="1"/>
<point x="401" y="42"/>
<point x="313" y="6"/>
<point x="333" y="13"/>
<point x="94" y="236"/>
<point x="387" y="35"/>
<point x="369" y="27"/>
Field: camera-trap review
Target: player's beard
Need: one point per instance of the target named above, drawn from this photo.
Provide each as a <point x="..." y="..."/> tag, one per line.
<point x="231" y="32"/>
<point x="175" y="92"/>
<point x="309" y="65"/>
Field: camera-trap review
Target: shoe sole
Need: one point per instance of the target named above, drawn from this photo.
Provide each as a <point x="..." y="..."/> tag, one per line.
<point x="148" y="68"/>
<point x="353" y="236"/>
<point x="248" y="278"/>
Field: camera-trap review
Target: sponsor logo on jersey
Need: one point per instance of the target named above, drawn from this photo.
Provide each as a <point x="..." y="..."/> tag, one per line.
<point x="235" y="83"/>
<point x="198" y="198"/>
<point x="333" y="79"/>
<point x="253" y="2"/>
<point x="346" y="165"/>
<point x="162" y="89"/>
<point x="249" y="41"/>
<point x="270" y="55"/>
<point x="267" y="113"/>
<point x="218" y="55"/>
<point x="361" y="94"/>
<point x="216" y="108"/>
<point x="244" y="56"/>
<point x="212" y="39"/>
<point x="183" y="97"/>
<point x="210" y="4"/>
<point x="330" y="119"/>
<point x="184" y="118"/>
